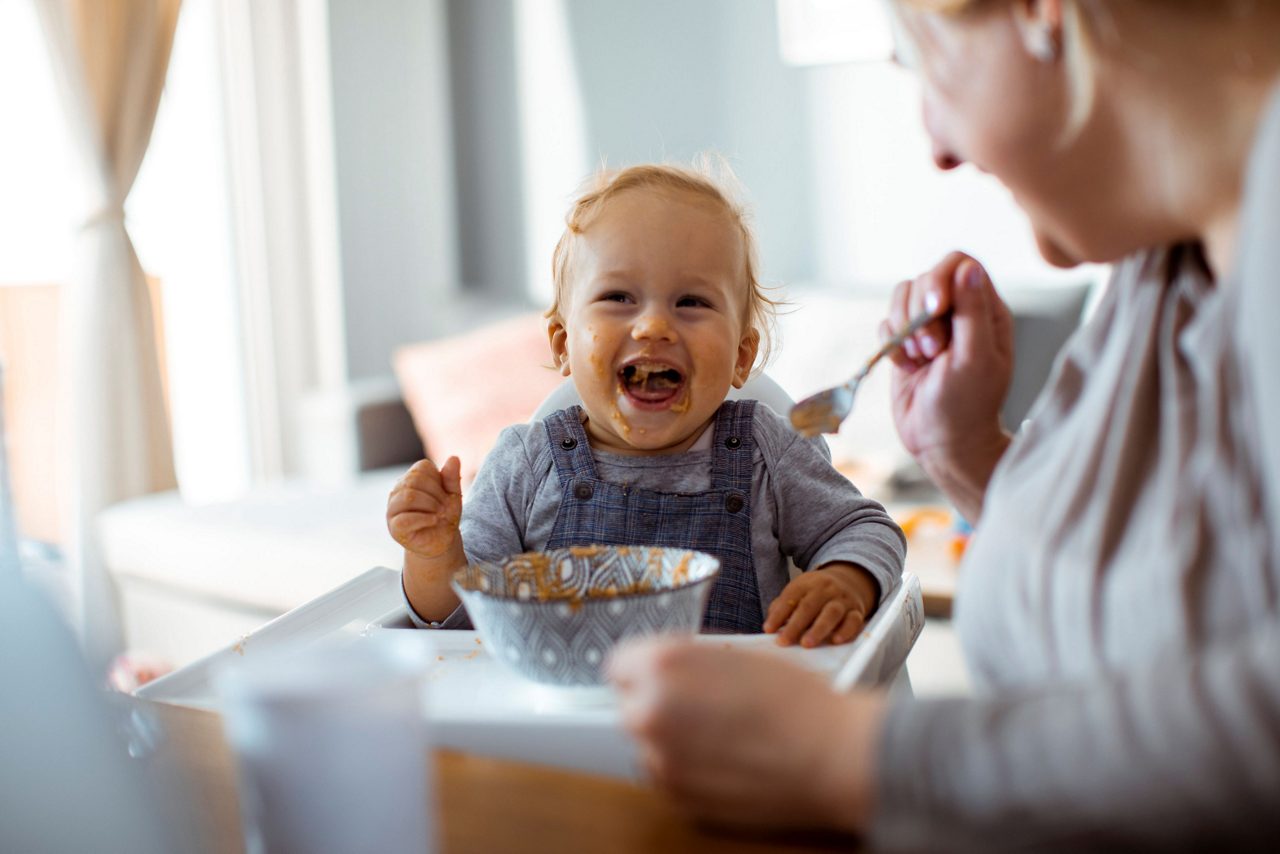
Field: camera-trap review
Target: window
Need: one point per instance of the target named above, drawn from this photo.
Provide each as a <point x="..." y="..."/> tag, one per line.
<point x="178" y="216"/>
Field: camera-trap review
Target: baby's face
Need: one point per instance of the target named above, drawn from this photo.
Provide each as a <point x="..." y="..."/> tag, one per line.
<point x="654" y="330"/>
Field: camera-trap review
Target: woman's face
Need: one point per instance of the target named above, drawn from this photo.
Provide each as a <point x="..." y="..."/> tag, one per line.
<point x="988" y="101"/>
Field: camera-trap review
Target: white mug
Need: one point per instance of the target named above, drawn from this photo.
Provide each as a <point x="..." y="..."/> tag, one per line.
<point x="331" y="745"/>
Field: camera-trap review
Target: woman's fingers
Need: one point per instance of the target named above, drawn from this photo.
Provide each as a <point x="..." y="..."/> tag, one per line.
<point x="932" y="294"/>
<point x="898" y="356"/>
<point x="899" y="312"/>
<point x="712" y="734"/>
<point x="976" y="321"/>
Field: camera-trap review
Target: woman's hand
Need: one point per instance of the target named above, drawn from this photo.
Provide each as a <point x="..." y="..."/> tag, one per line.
<point x="952" y="377"/>
<point x="744" y="739"/>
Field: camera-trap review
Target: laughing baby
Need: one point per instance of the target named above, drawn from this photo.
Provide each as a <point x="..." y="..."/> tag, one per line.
<point x="657" y="313"/>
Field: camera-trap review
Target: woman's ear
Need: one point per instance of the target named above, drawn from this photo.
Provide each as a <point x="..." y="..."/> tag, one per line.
<point x="748" y="347"/>
<point x="1039" y="22"/>
<point x="558" y="336"/>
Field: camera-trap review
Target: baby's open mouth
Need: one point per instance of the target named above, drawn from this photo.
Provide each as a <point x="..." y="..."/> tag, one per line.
<point x="650" y="382"/>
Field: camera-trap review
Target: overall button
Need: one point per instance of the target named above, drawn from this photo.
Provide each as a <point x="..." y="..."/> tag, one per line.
<point x="583" y="490"/>
<point x="569" y="444"/>
<point x="733" y="503"/>
<point x="733" y="443"/>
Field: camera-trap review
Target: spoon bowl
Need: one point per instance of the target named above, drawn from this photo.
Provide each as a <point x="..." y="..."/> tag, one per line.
<point x="826" y="410"/>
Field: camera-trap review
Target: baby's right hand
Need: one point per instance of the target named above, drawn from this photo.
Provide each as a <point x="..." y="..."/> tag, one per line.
<point x="425" y="506"/>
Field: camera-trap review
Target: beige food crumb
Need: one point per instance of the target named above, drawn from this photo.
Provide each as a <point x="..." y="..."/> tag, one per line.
<point x="617" y="417"/>
<point x="239" y="647"/>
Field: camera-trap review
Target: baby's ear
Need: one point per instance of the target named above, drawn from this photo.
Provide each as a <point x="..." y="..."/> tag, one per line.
<point x="748" y="347"/>
<point x="558" y="337"/>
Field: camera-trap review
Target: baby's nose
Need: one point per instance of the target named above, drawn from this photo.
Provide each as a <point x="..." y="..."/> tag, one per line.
<point x="652" y="325"/>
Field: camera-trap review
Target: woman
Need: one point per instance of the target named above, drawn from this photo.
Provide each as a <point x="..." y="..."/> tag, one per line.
<point x="1120" y="603"/>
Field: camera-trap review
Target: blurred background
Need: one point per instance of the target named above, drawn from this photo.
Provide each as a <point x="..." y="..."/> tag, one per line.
<point x="331" y="181"/>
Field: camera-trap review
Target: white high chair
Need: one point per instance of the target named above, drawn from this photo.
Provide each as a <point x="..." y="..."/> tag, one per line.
<point x="478" y="706"/>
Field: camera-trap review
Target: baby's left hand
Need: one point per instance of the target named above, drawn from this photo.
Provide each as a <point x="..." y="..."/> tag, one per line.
<point x="830" y="602"/>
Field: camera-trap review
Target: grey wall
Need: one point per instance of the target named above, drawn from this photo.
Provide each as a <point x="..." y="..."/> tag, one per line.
<point x="668" y="79"/>
<point x="428" y="141"/>
<point x="486" y="134"/>
<point x="394" y="173"/>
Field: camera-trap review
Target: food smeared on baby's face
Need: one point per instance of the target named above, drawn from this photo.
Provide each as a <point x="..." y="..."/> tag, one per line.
<point x="651" y="382"/>
<point x="657" y="311"/>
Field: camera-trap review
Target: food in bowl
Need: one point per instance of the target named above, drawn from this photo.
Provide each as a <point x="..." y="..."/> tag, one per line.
<point x="554" y="616"/>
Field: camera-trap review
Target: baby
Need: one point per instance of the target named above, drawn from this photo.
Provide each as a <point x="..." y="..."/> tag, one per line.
<point x="657" y="313"/>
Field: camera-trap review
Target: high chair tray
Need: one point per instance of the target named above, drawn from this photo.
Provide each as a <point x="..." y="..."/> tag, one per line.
<point x="475" y="704"/>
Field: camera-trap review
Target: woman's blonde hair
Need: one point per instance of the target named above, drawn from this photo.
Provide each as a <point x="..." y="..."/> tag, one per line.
<point x="1078" y="34"/>
<point x="709" y="179"/>
<point x="1090" y="27"/>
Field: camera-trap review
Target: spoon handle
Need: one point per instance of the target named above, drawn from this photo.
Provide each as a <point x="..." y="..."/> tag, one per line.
<point x="920" y="320"/>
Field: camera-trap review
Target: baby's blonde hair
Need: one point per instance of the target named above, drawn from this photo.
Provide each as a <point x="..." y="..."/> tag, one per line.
<point x="709" y="179"/>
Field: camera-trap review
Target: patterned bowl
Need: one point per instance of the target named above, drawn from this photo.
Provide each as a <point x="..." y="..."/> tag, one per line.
<point x="553" y="616"/>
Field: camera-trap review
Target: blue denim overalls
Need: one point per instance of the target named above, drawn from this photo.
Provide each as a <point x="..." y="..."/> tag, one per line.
<point x="718" y="521"/>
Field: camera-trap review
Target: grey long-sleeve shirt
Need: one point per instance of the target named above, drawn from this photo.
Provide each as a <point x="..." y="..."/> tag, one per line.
<point x="801" y="507"/>
<point x="1120" y="602"/>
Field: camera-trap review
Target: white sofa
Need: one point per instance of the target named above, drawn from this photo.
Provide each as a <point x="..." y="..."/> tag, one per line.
<point x="192" y="579"/>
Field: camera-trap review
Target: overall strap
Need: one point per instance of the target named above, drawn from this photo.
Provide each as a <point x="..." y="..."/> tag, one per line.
<point x="569" y="446"/>
<point x="733" y="446"/>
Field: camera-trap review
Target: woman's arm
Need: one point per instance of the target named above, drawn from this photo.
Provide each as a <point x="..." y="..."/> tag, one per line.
<point x="952" y="377"/>
<point x="962" y="473"/>
<point x="1183" y="752"/>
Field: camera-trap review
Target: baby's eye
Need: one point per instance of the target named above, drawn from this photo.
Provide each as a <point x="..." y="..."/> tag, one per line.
<point x="692" y="301"/>
<point x="615" y="296"/>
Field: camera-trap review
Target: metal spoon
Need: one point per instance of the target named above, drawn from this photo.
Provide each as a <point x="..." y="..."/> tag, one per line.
<point x="823" y="412"/>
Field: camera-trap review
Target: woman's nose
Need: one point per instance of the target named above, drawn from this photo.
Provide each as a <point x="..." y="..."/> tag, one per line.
<point x="653" y="325"/>
<point x="943" y="157"/>
<point x="945" y="160"/>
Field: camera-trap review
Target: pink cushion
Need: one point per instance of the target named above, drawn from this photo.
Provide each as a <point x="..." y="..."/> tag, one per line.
<point x="462" y="390"/>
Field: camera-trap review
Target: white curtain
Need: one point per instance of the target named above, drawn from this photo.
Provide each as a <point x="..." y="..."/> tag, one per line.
<point x="110" y="57"/>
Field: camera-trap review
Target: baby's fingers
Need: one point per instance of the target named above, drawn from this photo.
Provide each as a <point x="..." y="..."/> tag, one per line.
<point x="407" y="499"/>
<point x="404" y="525"/>
<point x="850" y="627"/>
<point x="423" y="475"/>
<point x="781" y="608"/>
<point x="827" y="620"/>
<point x="801" y="618"/>
<point x="451" y="476"/>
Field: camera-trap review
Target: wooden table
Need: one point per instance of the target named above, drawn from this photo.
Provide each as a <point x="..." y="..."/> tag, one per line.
<point x="542" y="809"/>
